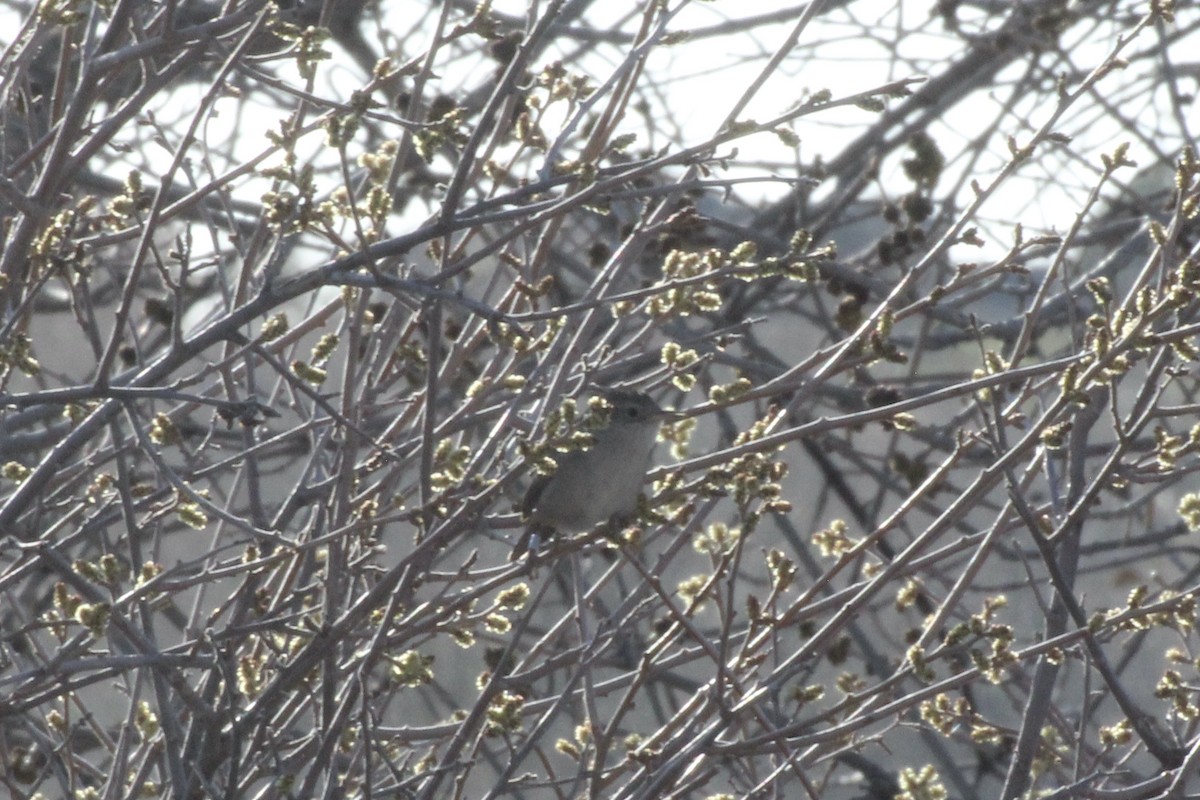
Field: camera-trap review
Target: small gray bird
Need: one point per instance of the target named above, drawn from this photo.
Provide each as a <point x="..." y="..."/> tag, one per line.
<point x="600" y="483"/>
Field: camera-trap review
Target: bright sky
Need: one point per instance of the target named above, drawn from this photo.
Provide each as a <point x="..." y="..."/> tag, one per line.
<point x="699" y="81"/>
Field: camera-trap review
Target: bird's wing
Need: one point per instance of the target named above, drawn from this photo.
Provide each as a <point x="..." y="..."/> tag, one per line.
<point x="533" y="493"/>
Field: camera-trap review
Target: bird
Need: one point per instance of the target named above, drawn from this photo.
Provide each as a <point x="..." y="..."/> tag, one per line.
<point x="597" y="484"/>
